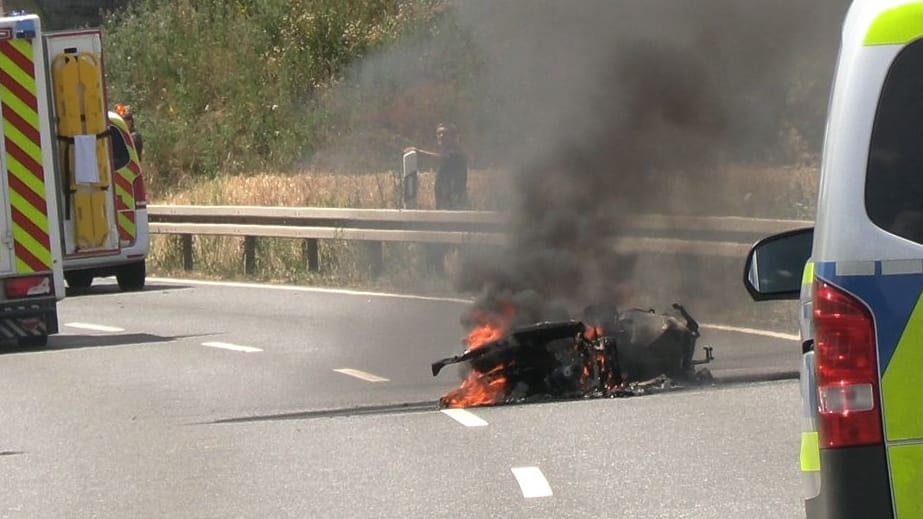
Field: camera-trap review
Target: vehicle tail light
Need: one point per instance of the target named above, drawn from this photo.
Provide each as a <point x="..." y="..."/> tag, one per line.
<point x="29" y="286"/>
<point x="847" y="369"/>
<point x="140" y="192"/>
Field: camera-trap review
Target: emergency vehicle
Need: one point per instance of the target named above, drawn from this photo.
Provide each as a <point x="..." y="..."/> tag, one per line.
<point x="104" y="206"/>
<point x="859" y="277"/>
<point x="72" y="201"/>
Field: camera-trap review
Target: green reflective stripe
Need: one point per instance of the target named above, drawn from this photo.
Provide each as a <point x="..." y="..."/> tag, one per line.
<point x="807" y="276"/>
<point x="810" y="452"/>
<point x="897" y="26"/>
<point x="902" y="395"/>
<point x="907" y="479"/>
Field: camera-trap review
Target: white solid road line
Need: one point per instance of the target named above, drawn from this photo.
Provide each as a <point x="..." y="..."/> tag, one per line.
<point x="752" y="331"/>
<point x="299" y="288"/>
<point x="232" y="347"/>
<point x="466" y="418"/>
<point x="532" y="482"/>
<point x="362" y="375"/>
<point x="94" y="327"/>
<point x="363" y="293"/>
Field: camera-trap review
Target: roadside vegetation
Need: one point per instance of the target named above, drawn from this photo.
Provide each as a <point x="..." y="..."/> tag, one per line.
<point x="222" y="88"/>
<point x="226" y="87"/>
<point x="785" y="194"/>
<point x="294" y="102"/>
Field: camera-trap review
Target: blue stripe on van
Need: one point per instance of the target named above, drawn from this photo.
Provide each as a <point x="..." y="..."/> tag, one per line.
<point x="891" y="299"/>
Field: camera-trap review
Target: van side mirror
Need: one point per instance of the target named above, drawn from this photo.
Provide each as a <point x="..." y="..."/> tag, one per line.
<point x="775" y="264"/>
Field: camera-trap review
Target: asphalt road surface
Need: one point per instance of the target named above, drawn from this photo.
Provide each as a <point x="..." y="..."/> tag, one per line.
<point x="221" y="400"/>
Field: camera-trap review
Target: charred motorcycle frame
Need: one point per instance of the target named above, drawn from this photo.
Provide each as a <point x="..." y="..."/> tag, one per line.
<point x="602" y="354"/>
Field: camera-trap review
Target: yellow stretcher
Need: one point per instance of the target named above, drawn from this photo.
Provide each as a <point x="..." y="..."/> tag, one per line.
<point x="81" y="110"/>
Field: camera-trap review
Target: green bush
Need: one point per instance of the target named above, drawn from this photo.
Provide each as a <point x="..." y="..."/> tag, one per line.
<point x="227" y="86"/>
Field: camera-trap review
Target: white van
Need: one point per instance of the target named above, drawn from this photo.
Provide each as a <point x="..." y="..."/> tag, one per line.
<point x="859" y="275"/>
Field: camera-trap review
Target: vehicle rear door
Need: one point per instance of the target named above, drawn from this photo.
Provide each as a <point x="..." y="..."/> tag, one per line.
<point x="894" y="202"/>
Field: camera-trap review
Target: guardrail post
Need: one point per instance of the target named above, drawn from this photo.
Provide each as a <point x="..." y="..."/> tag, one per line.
<point x="186" y="240"/>
<point x="374" y="251"/>
<point x="310" y="255"/>
<point x="250" y="246"/>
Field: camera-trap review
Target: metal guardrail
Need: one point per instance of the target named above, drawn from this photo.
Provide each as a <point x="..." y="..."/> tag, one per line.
<point x="726" y="236"/>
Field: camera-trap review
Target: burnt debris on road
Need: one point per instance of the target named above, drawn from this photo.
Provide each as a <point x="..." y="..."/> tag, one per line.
<point x="607" y="353"/>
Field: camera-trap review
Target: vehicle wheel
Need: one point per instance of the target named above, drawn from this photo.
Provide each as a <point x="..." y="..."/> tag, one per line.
<point x="34" y="341"/>
<point x="78" y="279"/>
<point x="131" y="277"/>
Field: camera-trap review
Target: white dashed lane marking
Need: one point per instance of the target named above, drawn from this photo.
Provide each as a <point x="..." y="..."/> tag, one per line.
<point x="232" y="347"/>
<point x="94" y="327"/>
<point x="532" y="482"/>
<point x="361" y="375"/>
<point x="466" y="418"/>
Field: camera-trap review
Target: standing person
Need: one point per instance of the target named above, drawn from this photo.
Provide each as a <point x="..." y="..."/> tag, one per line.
<point x="135" y="134"/>
<point x="129" y="118"/>
<point x="451" y="187"/>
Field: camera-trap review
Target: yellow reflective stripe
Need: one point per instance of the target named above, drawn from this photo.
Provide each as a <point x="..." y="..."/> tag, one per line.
<point x="22" y="267"/>
<point x="19" y="75"/>
<point x="25" y="176"/>
<point x="21" y="109"/>
<point x="900" y="386"/>
<point x="32" y="245"/>
<point x="127" y="224"/>
<point x="907" y="479"/>
<point x="807" y="276"/>
<point x="24" y="47"/>
<point x="27" y="145"/>
<point x="810" y="452"/>
<point x="897" y="26"/>
<point x="125" y="196"/>
<point x="32" y="213"/>
<point x="35" y="248"/>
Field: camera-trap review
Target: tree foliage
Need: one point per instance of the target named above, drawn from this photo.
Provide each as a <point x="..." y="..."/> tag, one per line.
<point x="223" y="86"/>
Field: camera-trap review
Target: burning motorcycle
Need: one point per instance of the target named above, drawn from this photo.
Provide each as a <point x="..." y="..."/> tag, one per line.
<point x="606" y="353"/>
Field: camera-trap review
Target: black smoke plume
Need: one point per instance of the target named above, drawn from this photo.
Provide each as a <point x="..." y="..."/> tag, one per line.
<point x="604" y="108"/>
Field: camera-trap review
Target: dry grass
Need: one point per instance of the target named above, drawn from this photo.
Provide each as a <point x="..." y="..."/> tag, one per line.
<point x="770" y="192"/>
<point x="282" y="260"/>
<point x="331" y="189"/>
<point x="767" y="192"/>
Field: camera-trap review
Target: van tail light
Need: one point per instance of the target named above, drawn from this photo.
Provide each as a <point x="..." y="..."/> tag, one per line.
<point x="140" y="192"/>
<point x="847" y="369"/>
<point x="28" y="286"/>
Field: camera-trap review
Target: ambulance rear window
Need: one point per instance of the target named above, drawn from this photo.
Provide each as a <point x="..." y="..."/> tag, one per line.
<point x="894" y="181"/>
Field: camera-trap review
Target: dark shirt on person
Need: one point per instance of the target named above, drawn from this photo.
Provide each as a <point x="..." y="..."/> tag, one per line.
<point x="138" y="142"/>
<point x="452" y="181"/>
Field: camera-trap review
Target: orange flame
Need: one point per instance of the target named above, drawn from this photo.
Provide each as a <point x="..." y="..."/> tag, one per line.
<point x="478" y="389"/>
<point x="596" y="371"/>
<point x="592" y="333"/>
<point x="483" y="388"/>
<point x="492" y="387"/>
<point x="483" y="334"/>
<point x="490" y="326"/>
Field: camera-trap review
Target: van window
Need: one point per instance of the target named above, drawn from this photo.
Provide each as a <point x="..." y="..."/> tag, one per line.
<point x="894" y="182"/>
<point x="119" y="148"/>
